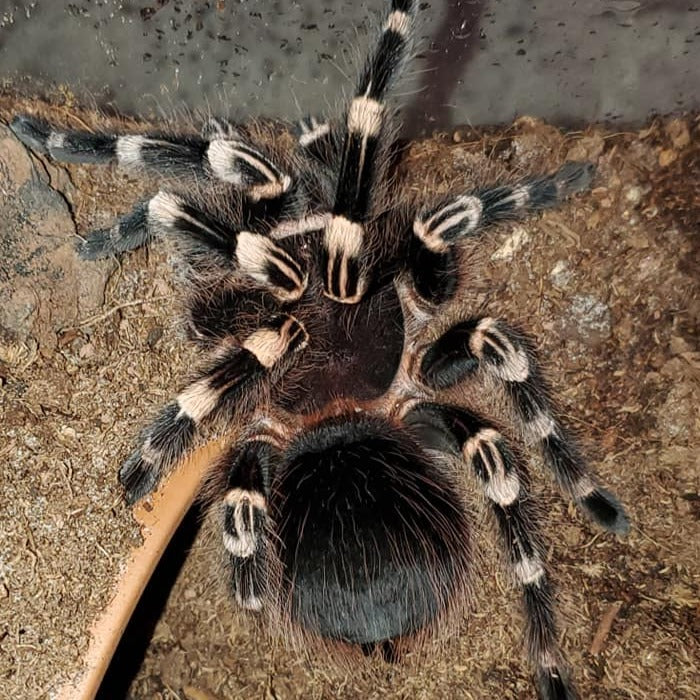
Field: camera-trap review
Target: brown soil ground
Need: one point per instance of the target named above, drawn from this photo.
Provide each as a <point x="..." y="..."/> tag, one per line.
<point x="608" y="284"/>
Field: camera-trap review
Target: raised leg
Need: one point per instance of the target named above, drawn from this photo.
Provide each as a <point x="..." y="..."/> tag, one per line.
<point x="503" y="477"/>
<point x="244" y="516"/>
<point x="224" y="385"/>
<point x="508" y="356"/>
<point x="437" y="229"/>
<point x="346" y="278"/>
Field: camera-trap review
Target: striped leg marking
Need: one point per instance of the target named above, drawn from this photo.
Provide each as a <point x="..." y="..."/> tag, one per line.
<point x="233" y="371"/>
<point x="173" y="156"/>
<point x="438" y="229"/>
<point x="65" y="146"/>
<point x="217" y="153"/>
<point x="345" y="280"/>
<point x="508" y="356"/>
<point x="269" y="264"/>
<point x="253" y="255"/>
<point x="244" y="166"/>
<point x="215" y="128"/>
<point x="244" y="518"/>
<point x="309" y="130"/>
<point x="457" y="217"/>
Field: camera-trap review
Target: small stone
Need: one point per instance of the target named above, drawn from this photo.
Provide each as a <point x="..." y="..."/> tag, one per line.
<point x="561" y="274"/>
<point x="67" y="432"/>
<point x="173" y="669"/>
<point x="512" y="244"/>
<point x="638" y="240"/>
<point x="666" y="157"/>
<point x="587" y="148"/>
<point x="32" y="442"/>
<point x="86" y="351"/>
<point x="633" y="195"/>
<point x="593" y="221"/>
<point x="678" y="132"/>
<point x="592" y="319"/>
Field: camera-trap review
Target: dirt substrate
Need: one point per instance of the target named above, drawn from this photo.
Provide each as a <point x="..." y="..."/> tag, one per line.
<point x="608" y="285"/>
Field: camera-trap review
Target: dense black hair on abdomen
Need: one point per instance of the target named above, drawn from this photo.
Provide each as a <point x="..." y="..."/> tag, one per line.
<point x="372" y="536"/>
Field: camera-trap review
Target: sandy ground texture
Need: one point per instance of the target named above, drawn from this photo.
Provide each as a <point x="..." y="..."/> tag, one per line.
<point x="608" y="285"/>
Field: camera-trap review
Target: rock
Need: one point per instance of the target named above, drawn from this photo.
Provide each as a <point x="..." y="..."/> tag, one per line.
<point x="633" y="195"/>
<point x="678" y="420"/>
<point x="587" y="148"/>
<point x="589" y="320"/>
<point x="515" y="241"/>
<point x="666" y="157"/>
<point x="43" y="284"/>
<point x="561" y="274"/>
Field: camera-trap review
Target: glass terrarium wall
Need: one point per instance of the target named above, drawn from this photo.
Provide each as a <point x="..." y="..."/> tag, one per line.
<point x="482" y="62"/>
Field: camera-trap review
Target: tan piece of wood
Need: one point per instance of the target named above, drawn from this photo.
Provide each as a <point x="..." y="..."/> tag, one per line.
<point x="604" y="627"/>
<point x="159" y="516"/>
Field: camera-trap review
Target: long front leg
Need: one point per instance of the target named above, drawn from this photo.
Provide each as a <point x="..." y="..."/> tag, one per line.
<point x="344" y="259"/>
<point x="222" y="155"/>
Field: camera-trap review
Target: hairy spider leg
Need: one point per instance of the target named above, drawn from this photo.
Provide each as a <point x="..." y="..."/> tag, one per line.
<point x="225" y="156"/>
<point x="270" y="264"/>
<point x="244" y="513"/>
<point x="508" y="357"/>
<point x="503" y="478"/>
<point x="437" y="229"/>
<point x="233" y="371"/>
<point x="128" y="232"/>
<point x="346" y="276"/>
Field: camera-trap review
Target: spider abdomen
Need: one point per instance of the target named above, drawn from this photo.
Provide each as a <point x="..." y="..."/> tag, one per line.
<point x="373" y="538"/>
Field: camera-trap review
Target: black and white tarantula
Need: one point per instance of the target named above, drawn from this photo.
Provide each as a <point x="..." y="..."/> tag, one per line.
<point x="317" y="295"/>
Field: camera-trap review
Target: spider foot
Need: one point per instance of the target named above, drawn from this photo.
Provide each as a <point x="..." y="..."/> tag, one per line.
<point x="573" y="176"/>
<point x="32" y="132"/>
<point x="247" y="575"/>
<point x="127" y="233"/>
<point x="604" y="508"/>
<point x="97" y="245"/>
<point x="62" y="145"/>
<point x="162" y="444"/>
<point x="552" y="685"/>
<point x="138" y="477"/>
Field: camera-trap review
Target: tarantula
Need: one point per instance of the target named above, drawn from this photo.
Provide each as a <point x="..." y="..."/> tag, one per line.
<point x="317" y="295"/>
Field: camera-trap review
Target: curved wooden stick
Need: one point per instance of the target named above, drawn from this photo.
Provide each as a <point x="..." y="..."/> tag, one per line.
<point x="159" y="516"/>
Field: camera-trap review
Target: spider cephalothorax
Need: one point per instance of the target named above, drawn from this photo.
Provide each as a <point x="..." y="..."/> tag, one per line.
<point x="317" y="293"/>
